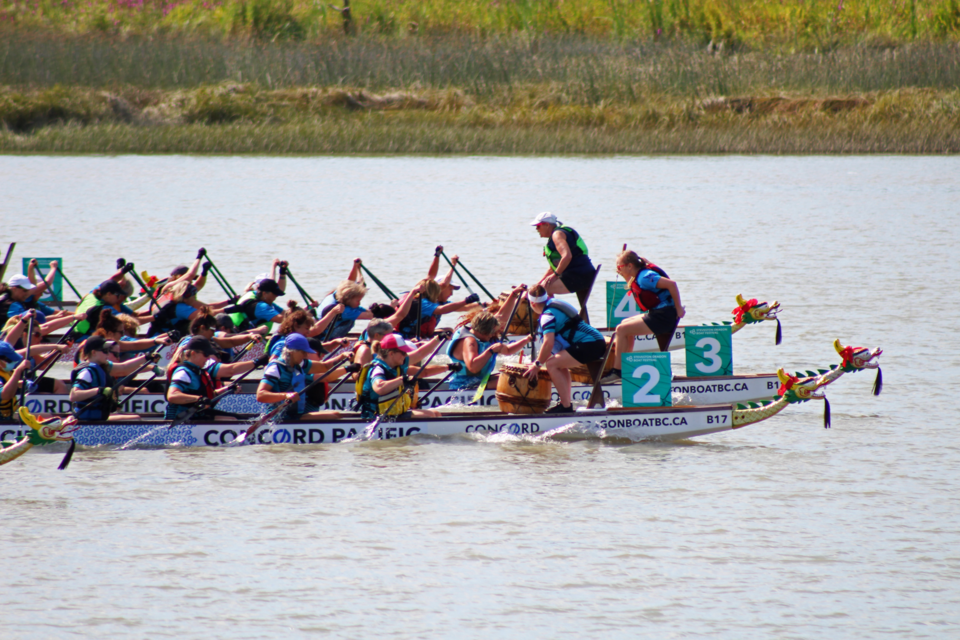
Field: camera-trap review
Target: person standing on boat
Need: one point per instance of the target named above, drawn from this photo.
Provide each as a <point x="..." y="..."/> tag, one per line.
<point x="568" y="341"/>
<point x="285" y="379"/>
<point x="385" y="379"/>
<point x="476" y="346"/>
<point x="195" y="377"/>
<point x="93" y="394"/>
<point x="657" y="295"/>
<point x="571" y="270"/>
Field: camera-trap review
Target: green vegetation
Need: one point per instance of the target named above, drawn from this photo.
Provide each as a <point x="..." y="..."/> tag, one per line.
<point x="499" y="76"/>
<point x="734" y="23"/>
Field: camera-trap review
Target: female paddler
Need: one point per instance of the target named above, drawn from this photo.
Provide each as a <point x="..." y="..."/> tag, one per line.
<point x="256" y="307"/>
<point x="195" y="377"/>
<point x="285" y="379"/>
<point x="476" y="346"/>
<point x="568" y="341"/>
<point x="657" y="295"/>
<point x="385" y="380"/>
<point x="182" y="309"/>
<point x="93" y="394"/>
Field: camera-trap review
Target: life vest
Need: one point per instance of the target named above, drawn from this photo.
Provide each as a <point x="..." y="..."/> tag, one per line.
<point x="5" y="301"/>
<point x="99" y="408"/>
<point x="577" y="247"/>
<point x="573" y="320"/>
<point x="244" y="313"/>
<point x="91" y="318"/>
<point x="463" y="379"/>
<point x="645" y="299"/>
<point x="10" y="407"/>
<point x="165" y="320"/>
<point x="408" y="326"/>
<point x="295" y="379"/>
<point x="201" y="384"/>
<point x="370" y="404"/>
<point x="339" y="327"/>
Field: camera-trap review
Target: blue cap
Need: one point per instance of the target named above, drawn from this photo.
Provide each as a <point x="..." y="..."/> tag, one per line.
<point x="297" y="342"/>
<point x="39" y="319"/>
<point x="8" y="353"/>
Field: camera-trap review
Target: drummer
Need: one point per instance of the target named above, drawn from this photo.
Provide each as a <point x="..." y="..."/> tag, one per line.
<point x="568" y="341"/>
<point x="657" y="295"/>
<point x="476" y="346"/>
<point x="570" y="268"/>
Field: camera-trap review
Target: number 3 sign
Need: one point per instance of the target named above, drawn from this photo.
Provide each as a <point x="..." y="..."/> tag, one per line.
<point x="709" y="351"/>
<point x="646" y="380"/>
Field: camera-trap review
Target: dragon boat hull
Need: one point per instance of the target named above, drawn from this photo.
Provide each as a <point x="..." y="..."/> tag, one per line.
<point x="693" y="391"/>
<point x="667" y="423"/>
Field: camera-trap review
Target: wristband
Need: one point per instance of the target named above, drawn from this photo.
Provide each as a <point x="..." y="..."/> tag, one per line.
<point x="538" y="363"/>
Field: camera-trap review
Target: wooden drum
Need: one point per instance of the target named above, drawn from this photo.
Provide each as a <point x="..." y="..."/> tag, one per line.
<point x="516" y="394"/>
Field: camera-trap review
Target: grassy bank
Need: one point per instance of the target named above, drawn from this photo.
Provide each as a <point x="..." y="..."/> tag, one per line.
<point x="733" y="23"/>
<point x="535" y="119"/>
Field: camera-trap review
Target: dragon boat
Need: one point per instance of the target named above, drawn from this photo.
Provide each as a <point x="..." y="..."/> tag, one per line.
<point x="636" y="424"/>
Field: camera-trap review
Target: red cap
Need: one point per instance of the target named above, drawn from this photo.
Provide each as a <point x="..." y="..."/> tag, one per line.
<point x="395" y="341"/>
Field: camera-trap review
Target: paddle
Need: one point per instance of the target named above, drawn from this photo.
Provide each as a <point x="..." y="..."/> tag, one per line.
<point x="47" y="363"/>
<point x="70" y="284"/>
<point x="434" y="388"/>
<point x="219" y="276"/>
<point x="129" y="268"/>
<point x="583" y="297"/>
<point x="53" y="294"/>
<point x="23" y="382"/>
<point x="204" y="403"/>
<point x="371" y="428"/>
<point x="462" y="279"/>
<point x="120" y="403"/>
<point x="152" y="359"/>
<point x="307" y="299"/>
<point x="262" y="420"/>
<point x="503" y="336"/>
<point x="382" y="286"/>
<point x="6" y="259"/>
<point x="216" y="277"/>
<point x="479" y="284"/>
<point x="419" y="314"/>
<point x="596" y="395"/>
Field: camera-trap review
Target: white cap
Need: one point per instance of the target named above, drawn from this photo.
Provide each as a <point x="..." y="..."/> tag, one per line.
<point x="545" y="218"/>
<point x="20" y="281"/>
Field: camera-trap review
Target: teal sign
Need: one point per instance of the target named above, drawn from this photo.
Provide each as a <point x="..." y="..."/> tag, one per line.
<point x="709" y="351"/>
<point x="44" y="265"/>
<point x="646" y="380"/>
<point x="620" y="305"/>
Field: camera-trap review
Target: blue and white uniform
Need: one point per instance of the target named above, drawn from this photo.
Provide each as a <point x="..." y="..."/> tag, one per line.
<point x="189" y="378"/>
<point x="463" y="379"/>
<point x="282" y="378"/>
<point x="344" y="323"/>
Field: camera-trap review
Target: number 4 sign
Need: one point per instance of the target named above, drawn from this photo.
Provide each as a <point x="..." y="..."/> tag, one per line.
<point x="620" y="304"/>
<point x="709" y="351"/>
<point x="646" y="380"/>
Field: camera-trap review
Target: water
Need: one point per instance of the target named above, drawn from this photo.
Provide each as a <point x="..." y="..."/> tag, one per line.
<point x="782" y="529"/>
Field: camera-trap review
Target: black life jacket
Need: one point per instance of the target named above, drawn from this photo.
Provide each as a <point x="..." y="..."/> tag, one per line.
<point x="248" y="308"/>
<point x="647" y="300"/>
<point x="5" y="301"/>
<point x="166" y="320"/>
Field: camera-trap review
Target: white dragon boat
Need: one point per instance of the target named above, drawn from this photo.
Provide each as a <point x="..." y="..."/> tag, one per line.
<point x="667" y="423"/>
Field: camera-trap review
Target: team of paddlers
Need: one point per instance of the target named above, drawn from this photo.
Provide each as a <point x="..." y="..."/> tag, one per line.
<point x="383" y="363"/>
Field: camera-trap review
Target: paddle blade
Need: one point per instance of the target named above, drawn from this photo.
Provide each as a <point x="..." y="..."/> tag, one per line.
<point x="878" y="383"/>
<point x="779" y="338"/>
<point x="67" y="458"/>
<point x="826" y="413"/>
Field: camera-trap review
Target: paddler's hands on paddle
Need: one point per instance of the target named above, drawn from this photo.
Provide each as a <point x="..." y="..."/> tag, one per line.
<point x="205" y="269"/>
<point x="293" y="396"/>
<point x="201" y="253"/>
<point x="262" y="361"/>
<point x="681" y="311"/>
<point x="121" y="263"/>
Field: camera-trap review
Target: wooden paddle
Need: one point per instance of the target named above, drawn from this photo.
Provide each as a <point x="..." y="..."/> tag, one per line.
<point x="596" y="395"/>
<point x="23" y="382"/>
<point x="6" y="259"/>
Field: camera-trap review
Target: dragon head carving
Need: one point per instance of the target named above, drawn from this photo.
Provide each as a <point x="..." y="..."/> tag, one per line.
<point x="751" y="311"/>
<point x="857" y="358"/>
<point x="794" y="389"/>
<point x="52" y="430"/>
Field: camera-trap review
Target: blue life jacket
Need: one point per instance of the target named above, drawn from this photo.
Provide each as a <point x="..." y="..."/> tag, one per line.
<point x="95" y="409"/>
<point x="463" y="379"/>
<point x="201" y="384"/>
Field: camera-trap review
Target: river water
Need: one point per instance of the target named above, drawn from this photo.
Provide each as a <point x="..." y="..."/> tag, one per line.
<point x="783" y="529"/>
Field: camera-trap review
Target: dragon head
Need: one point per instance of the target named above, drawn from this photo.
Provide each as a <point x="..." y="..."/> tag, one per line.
<point x="52" y="430"/>
<point x="795" y="389"/>
<point x="857" y="358"/>
<point x="751" y="311"/>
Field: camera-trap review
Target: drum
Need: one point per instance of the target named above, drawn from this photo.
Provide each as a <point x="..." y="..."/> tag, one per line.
<point x="581" y="372"/>
<point x="516" y="394"/>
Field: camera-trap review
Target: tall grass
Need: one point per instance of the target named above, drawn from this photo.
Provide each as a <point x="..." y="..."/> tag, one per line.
<point x="754" y="23"/>
<point x="589" y="70"/>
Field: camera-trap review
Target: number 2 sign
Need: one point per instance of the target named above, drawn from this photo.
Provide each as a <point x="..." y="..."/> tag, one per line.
<point x="709" y="351"/>
<point x="646" y="380"/>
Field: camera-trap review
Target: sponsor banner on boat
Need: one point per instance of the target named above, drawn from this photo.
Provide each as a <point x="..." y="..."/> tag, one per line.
<point x="700" y="391"/>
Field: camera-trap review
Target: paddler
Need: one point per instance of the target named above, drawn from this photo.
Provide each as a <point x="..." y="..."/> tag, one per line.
<point x="19" y="294"/>
<point x="13" y="367"/>
<point x="299" y="321"/>
<point x="568" y="341"/>
<point x="286" y="377"/>
<point x="93" y="395"/>
<point x="195" y="377"/>
<point x="376" y="331"/>
<point x="205" y="326"/>
<point x="386" y="378"/>
<point x="257" y="306"/>
<point x="657" y="295"/>
<point x="571" y="270"/>
<point x="182" y="309"/>
<point x="476" y="346"/>
<point x="430" y="311"/>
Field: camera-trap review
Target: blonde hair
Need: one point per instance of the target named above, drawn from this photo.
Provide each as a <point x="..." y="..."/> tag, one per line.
<point x="430" y="289"/>
<point x="349" y="289"/>
<point x="131" y="327"/>
<point x="177" y="289"/>
<point x="485" y="323"/>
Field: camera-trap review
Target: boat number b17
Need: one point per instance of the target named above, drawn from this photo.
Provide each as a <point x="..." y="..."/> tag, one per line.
<point x="721" y="419"/>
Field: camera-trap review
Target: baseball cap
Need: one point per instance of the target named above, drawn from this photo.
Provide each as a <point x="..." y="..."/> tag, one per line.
<point x="110" y="286"/>
<point x="201" y="344"/>
<point x="270" y="286"/>
<point x="8" y="353"/>
<point x="94" y="343"/>
<point x="297" y="342"/>
<point x="545" y="218"/>
<point x="20" y="281"/>
<point x="395" y="341"/>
